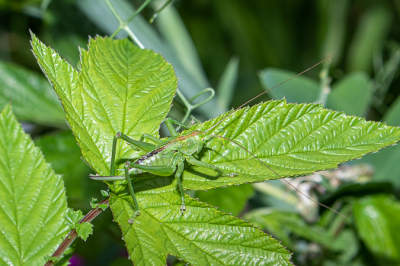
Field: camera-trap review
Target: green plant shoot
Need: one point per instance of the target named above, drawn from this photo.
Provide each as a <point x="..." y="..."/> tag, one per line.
<point x="167" y="157"/>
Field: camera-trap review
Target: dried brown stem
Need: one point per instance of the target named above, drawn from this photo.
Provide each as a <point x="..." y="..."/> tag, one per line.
<point x="72" y="234"/>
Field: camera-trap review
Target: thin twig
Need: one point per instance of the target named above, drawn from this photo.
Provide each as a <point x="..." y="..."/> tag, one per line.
<point x="72" y="234"/>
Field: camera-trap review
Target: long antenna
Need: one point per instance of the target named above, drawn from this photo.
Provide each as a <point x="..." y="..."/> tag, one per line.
<point x="273" y="171"/>
<point x="295" y="76"/>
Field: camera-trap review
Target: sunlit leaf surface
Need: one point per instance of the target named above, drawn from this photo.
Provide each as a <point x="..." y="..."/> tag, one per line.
<point x="32" y="197"/>
<point x="292" y="139"/>
<point x="202" y="236"/>
<point x="119" y="88"/>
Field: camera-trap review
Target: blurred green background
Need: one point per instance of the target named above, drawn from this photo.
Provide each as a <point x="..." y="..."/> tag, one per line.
<point x="239" y="48"/>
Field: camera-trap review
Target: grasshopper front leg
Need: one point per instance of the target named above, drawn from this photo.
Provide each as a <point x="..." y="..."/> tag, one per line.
<point x="144" y="146"/>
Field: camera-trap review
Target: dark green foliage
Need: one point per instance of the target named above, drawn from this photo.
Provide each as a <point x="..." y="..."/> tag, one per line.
<point x="245" y="47"/>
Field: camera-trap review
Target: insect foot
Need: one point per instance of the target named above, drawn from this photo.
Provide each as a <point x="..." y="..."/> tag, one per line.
<point x="232" y="174"/>
<point x="136" y="214"/>
<point x="183" y="206"/>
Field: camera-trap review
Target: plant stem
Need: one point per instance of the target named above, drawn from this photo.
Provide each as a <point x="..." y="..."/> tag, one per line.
<point x="134" y="38"/>
<point x="167" y="3"/>
<point x="325" y="83"/>
<point x="72" y="234"/>
<point x="188" y="103"/>
<point x="137" y="11"/>
<point x="123" y="24"/>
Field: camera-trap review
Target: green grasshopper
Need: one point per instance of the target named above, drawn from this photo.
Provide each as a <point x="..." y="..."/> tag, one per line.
<point x="168" y="157"/>
<point x="164" y="159"/>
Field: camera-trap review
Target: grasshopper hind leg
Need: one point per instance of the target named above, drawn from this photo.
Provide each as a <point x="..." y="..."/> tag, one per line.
<point x="192" y="160"/>
<point x="178" y="175"/>
<point x="128" y="179"/>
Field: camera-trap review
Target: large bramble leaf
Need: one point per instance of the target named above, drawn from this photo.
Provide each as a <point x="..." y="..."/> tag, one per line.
<point x="202" y="236"/>
<point x="31" y="96"/>
<point x="32" y="196"/>
<point x="292" y="139"/>
<point x="119" y="88"/>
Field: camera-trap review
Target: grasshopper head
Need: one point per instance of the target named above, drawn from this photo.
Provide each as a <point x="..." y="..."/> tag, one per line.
<point x="201" y="138"/>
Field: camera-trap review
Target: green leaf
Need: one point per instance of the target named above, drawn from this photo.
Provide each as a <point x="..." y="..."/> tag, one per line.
<point x="84" y="230"/>
<point x="347" y="244"/>
<point x="174" y="31"/>
<point x="284" y="224"/>
<point x="120" y="88"/>
<point x="31" y="96"/>
<point x="376" y="220"/>
<point x="104" y="193"/>
<point x="335" y="14"/>
<point x="353" y="86"/>
<point x="298" y="90"/>
<point x="372" y="29"/>
<point x="227" y="83"/>
<point x="386" y="162"/>
<point x="202" y="236"/>
<point x="386" y="165"/>
<point x="94" y="202"/>
<point x="53" y="259"/>
<point x="62" y="151"/>
<point x="281" y="223"/>
<point x="293" y="139"/>
<point x="392" y="116"/>
<point x="32" y="196"/>
<point x="230" y="199"/>
<point x="103" y="206"/>
<point x="73" y="217"/>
